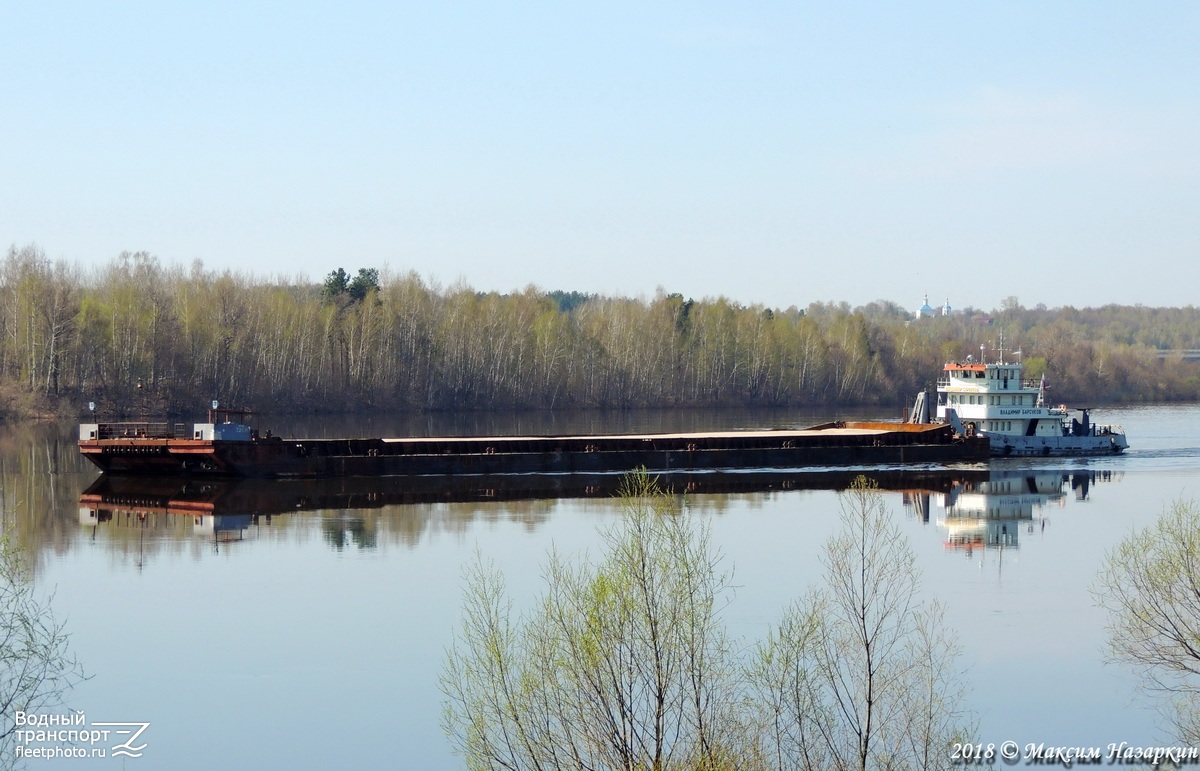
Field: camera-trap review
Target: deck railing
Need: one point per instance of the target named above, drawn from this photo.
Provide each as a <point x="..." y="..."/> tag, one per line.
<point x="138" y="430"/>
<point x="1026" y="385"/>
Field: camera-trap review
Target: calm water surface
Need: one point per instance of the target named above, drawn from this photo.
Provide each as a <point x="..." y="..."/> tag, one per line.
<point x="313" y="638"/>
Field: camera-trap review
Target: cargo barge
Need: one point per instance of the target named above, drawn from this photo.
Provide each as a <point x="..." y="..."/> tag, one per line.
<point x="233" y="449"/>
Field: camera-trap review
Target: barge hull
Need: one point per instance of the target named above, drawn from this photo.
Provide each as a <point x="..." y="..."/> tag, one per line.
<point x="836" y="444"/>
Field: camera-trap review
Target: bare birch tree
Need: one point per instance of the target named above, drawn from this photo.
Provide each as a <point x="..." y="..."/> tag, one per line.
<point x="37" y="667"/>
<point x="1150" y="584"/>
<point x="623" y="664"/>
<point x="861" y="674"/>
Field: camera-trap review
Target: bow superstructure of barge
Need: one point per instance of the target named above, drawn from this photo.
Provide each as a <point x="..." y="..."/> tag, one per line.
<point x="233" y="449"/>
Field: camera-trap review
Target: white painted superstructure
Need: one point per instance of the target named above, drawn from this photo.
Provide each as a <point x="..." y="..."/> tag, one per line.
<point x="993" y="399"/>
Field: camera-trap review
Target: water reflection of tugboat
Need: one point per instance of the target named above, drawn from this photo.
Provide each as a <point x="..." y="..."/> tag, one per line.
<point x="223" y="528"/>
<point x="990" y="513"/>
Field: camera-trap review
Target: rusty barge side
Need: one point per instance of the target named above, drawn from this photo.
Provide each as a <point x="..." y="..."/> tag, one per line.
<point x="153" y="449"/>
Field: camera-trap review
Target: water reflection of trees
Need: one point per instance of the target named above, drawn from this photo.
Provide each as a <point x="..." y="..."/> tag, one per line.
<point x="41" y="473"/>
<point x="344" y="529"/>
<point x="136" y="536"/>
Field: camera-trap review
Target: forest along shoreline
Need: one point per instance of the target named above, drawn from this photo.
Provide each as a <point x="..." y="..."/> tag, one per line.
<point x="139" y="338"/>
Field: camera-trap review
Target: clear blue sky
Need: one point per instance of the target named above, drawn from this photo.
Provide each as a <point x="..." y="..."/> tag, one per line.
<point x="771" y="152"/>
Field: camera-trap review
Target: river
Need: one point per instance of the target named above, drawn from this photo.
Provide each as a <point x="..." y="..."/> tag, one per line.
<point x="250" y="636"/>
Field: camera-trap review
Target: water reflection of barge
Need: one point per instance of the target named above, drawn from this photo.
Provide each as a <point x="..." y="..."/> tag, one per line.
<point x="988" y="512"/>
<point x="231" y="448"/>
<point x="123" y="495"/>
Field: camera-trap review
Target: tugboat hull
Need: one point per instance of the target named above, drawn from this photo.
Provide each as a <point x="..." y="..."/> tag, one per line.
<point x="1003" y="445"/>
